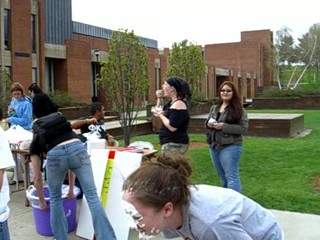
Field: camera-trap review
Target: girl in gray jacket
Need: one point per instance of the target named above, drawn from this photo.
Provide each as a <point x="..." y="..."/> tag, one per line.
<point x="225" y="125"/>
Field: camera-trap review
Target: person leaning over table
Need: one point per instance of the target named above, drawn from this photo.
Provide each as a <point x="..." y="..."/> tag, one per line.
<point x="42" y="104"/>
<point x="66" y="152"/>
<point x="174" y="115"/>
<point x="226" y="123"/>
<point x="159" y="197"/>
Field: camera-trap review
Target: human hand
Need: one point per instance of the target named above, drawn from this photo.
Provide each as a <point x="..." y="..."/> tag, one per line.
<point x="218" y="126"/>
<point x="70" y="194"/>
<point x="158" y="112"/>
<point x="110" y="140"/>
<point x="92" y="121"/>
<point x="159" y="93"/>
<point x="212" y="122"/>
<point x="43" y="205"/>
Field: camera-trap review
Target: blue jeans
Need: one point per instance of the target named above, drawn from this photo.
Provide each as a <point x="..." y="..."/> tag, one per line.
<point x="4" y="231"/>
<point x="226" y="162"/>
<point x="74" y="156"/>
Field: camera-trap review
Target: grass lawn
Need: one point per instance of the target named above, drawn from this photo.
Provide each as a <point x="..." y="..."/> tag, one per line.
<point x="278" y="173"/>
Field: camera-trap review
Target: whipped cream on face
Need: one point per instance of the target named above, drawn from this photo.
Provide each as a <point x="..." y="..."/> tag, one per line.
<point x="134" y="219"/>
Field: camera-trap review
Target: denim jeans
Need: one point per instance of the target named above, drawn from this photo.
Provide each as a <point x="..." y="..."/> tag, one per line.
<point x="4" y="231"/>
<point x="74" y="156"/>
<point x="226" y="162"/>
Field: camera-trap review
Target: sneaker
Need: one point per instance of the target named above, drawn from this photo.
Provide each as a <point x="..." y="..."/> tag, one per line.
<point x="13" y="182"/>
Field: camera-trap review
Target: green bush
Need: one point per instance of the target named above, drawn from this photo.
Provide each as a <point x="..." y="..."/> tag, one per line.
<point x="63" y="99"/>
<point x="301" y="90"/>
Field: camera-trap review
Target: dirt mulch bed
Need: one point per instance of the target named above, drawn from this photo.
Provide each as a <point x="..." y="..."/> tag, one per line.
<point x="316" y="182"/>
<point x="197" y="144"/>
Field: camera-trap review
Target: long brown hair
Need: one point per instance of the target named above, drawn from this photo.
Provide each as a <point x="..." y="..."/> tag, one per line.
<point x="166" y="179"/>
<point x="234" y="107"/>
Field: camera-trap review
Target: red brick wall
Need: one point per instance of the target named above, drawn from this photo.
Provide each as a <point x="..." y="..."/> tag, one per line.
<point x="21" y="61"/>
<point x="264" y="40"/>
<point x="252" y="55"/>
<point x="94" y="43"/>
<point x="78" y="70"/>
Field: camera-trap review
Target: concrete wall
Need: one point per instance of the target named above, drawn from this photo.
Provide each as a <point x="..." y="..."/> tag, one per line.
<point x="304" y="102"/>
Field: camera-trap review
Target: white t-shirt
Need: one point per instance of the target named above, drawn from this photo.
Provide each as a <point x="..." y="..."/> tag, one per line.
<point x="6" y="162"/>
<point x="4" y="199"/>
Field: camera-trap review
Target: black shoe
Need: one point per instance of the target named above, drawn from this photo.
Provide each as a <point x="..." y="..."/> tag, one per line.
<point x="13" y="182"/>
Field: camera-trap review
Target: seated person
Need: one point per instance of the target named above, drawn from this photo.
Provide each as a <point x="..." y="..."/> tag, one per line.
<point x="93" y="127"/>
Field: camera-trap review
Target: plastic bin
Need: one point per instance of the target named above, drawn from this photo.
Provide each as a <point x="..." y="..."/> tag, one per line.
<point x="42" y="218"/>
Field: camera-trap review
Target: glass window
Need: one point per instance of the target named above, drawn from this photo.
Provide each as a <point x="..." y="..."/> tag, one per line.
<point x="6" y="16"/>
<point x="33" y="33"/>
<point x="34" y="75"/>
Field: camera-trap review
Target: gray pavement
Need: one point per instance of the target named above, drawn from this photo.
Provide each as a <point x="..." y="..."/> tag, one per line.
<point x="296" y="226"/>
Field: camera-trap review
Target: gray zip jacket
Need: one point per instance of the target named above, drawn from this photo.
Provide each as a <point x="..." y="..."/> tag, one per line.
<point x="230" y="133"/>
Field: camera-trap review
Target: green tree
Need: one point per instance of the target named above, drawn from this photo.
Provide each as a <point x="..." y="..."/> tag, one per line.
<point x="186" y="61"/>
<point x="285" y="47"/>
<point x="309" y="47"/>
<point x="124" y="78"/>
<point x="5" y="84"/>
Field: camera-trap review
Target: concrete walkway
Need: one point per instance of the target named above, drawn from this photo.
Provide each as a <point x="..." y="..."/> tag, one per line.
<point x="296" y="226"/>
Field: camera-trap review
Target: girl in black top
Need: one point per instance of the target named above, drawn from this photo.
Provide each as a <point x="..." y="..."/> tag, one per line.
<point x="174" y="115"/>
<point x="42" y="105"/>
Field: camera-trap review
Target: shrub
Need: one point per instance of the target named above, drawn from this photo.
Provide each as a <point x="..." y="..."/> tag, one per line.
<point x="63" y="99"/>
<point x="302" y="89"/>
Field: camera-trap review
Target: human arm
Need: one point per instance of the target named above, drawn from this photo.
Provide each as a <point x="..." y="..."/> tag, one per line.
<point x="35" y="159"/>
<point x="1" y="178"/>
<point x="174" y="117"/>
<point x="24" y="115"/>
<point x="109" y="139"/>
<point x="79" y="123"/>
<point x="239" y="128"/>
<point x="165" y="121"/>
<point x="212" y="115"/>
<point x="159" y="94"/>
<point x="71" y="179"/>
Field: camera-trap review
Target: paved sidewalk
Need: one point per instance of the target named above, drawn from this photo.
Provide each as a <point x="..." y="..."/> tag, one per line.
<point x="22" y="225"/>
<point x="296" y="226"/>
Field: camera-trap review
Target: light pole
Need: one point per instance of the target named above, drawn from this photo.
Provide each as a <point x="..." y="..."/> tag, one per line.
<point x="97" y="72"/>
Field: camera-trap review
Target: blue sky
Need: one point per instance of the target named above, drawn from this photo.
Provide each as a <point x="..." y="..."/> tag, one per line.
<point x="201" y="22"/>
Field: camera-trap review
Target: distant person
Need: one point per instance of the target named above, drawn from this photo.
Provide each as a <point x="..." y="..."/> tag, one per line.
<point x="42" y="104"/>
<point x="3" y="122"/>
<point x="226" y="123"/>
<point x="20" y="108"/>
<point x="66" y="152"/>
<point x="174" y="115"/>
<point x="20" y="113"/>
<point x="6" y="162"/>
<point x="93" y="126"/>
<point x="159" y="197"/>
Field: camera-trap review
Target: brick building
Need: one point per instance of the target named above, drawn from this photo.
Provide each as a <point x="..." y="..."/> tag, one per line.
<point x="40" y="43"/>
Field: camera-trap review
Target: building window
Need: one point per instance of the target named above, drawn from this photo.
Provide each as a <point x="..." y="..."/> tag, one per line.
<point x="33" y="33"/>
<point x="6" y="20"/>
<point x="34" y="75"/>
